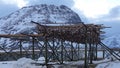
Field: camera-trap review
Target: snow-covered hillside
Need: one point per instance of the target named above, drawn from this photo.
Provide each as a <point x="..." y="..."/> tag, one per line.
<point x="19" y="21"/>
<point x="113" y="41"/>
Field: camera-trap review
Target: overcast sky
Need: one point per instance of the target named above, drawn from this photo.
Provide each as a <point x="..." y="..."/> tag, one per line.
<point x="94" y="11"/>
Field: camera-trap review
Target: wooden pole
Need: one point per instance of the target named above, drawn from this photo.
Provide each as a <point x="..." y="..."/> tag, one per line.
<point x="46" y="52"/>
<point x="20" y="48"/>
<point x="96" y="56"/>
<point x="86" y="40"/>
<point x="62" y="51"/>
<point x="85" y="60"/>
<point x="33" y="50"/>
<point x="78" y="51"/>
<point x="90" y="52"/>
<point x="71" y="51"/>
<point x="103" y="54"/>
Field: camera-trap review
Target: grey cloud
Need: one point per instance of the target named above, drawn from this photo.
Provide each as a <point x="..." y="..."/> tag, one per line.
<point x="111" y="20"/>
<point x="114" y="12"/>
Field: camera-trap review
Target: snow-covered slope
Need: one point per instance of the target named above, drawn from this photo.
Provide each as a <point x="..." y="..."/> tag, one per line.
<point x="19" y="21"/>
<point x="113" y="41"/>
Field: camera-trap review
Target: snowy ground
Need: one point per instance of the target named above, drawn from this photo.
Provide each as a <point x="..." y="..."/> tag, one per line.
<point x="29" y="63"/>
<point x="21" y="63"/>
<point x="112" y="64"/>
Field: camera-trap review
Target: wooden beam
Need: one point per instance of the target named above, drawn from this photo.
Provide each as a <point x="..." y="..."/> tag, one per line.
<point x="20" y="35"/>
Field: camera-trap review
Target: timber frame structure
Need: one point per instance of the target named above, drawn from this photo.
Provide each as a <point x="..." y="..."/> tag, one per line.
<point x="60" y="43"/>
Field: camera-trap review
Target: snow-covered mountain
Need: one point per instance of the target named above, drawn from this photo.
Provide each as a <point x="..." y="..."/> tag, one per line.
<point x="20" y="20"/>
<point x="113" y="41"/>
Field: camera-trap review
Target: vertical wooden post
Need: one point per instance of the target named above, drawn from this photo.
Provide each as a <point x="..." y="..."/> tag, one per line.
<point x="53" y="42"/>
<point x="61" y="51"/>
<point x="78" y="52"/>
<point x="85" y="60"/>
<point x="71" y="51"/>
<point x="46" y="51"/>
<point x="103" y="54"/>
<point x="33" y="50"/>
<point x="96" y="52"/>
<point x="20" y="48"/>
<point x="90" y="53"/>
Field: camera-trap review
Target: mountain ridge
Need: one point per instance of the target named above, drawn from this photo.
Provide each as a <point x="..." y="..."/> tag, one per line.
<point x="113" y="41"/>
